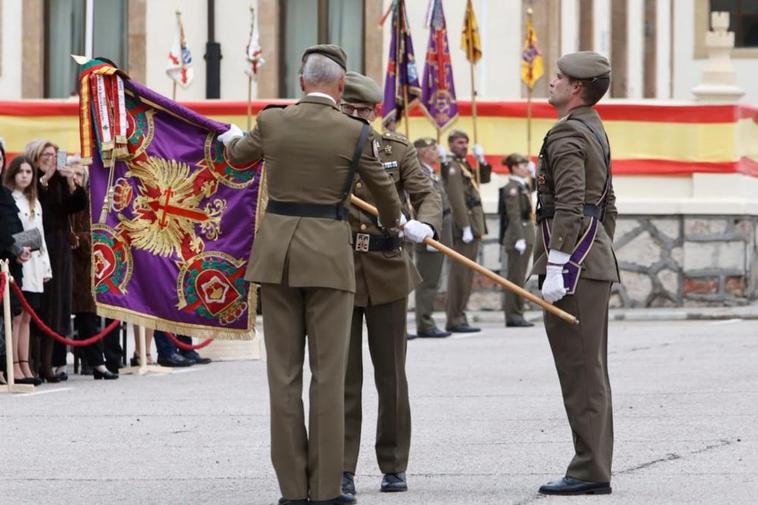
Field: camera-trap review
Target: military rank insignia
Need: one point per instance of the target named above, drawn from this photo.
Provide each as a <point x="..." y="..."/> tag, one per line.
<point x="389" y="165"/>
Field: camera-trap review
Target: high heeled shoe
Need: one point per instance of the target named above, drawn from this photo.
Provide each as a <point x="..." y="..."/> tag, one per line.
<point x="107" y="374"/>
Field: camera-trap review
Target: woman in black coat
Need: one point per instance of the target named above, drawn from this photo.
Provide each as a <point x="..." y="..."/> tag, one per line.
<point x="60" y="197"/>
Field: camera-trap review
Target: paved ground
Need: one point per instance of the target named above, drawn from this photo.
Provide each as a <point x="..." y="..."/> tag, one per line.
<point x="489" y="426"/>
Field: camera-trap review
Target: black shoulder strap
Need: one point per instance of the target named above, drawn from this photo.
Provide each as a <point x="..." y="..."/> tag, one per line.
<point x="354" y="163"/>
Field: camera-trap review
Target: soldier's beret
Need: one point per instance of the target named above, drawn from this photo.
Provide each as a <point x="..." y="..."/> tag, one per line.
<point x="456" y="134"/>
<point x="331" y="51"/>
<point x="424" y="142"/>
<point x="584" y="65"/>
<point x="361" y="89"/>
<point x="514" y="159"/>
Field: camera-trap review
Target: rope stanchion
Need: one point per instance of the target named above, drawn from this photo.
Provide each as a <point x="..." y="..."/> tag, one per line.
<point x="185" y="346"/>
<point x="52" y="334"/>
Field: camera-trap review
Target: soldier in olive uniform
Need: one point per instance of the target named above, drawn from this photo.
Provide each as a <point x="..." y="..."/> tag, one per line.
<point x="576" y="264"/>
<point x="429" y="261"/>
<point x="384" y="275"/>
<point x="516" y="233"/>
<point x="303" y="259"/>
<point x="468" y="224"/>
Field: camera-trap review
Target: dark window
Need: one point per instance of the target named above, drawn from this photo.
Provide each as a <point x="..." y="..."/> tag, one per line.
<point x="743" y="20"/>
<point x="309" y="22"/>
<point x="66" y="33"/>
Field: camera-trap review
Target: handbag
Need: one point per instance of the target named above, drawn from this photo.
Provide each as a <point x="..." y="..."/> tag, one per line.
<point x="31" y="238"/>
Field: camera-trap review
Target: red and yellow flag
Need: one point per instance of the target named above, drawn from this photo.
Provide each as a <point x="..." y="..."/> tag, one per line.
<point x="532" y="66"/>
<point x="470" y="41"/>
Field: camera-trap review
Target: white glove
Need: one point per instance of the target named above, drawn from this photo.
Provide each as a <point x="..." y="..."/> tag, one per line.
<point x="417" y="231"/>
<point x="443" y="154"/>
<point x="467" y="237"/>
<point x="552" y="288"/>
<point x="532" y="169"/>
<point x="478" y="152"/>
<point x="520" y="245"/>
<point x="233" y="132"/>
<point x="431" y="249"/>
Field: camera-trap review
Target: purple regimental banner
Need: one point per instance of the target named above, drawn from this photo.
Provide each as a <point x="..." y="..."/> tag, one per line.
<point x="172" y="237"/>
<point x="438" y="96"/>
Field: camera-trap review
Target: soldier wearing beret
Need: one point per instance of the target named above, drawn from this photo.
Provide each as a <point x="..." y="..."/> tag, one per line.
<point x="384" y="275"/>
<point x="429" y="261"/>
<point x="576" y="264"/>
<point x="468" y="223"/>
<point x="303" y="260"/>
<point x="516" y="235"/>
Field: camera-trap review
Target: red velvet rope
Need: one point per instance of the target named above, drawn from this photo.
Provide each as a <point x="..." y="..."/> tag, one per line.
<point x="185" y="346"/>
<point x="50" y="333"/>
<point x="3" y="277"/>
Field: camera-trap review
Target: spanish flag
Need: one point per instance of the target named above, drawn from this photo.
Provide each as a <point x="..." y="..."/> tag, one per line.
<point x="470" y="41"/>
<point x="532" y="66"/>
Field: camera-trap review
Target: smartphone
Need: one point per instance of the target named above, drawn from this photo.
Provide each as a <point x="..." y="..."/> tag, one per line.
<point x="60" y="160"/>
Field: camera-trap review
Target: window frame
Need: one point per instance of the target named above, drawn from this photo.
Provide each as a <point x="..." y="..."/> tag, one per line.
<point x="702" y="26"/>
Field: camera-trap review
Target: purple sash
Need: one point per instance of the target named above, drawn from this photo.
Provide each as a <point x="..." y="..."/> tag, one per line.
<point x="573" y="266"/>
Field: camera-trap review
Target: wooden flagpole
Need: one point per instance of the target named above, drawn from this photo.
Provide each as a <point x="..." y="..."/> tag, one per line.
<point x="478" y="268"/>
<point x="528" y="122"/>
<point x="173" y="91"/>
<point x="473" y="119"/>
<point x="249" y="102"/>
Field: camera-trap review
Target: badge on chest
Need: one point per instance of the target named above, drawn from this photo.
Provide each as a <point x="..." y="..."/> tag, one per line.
<point x="387" y="165"/>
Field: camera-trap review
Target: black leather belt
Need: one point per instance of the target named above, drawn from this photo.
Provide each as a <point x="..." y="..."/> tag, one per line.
<point x="590" y="210"/>
<point x="472" y="203"/>
<point x="446" y="212"/>
<point x="366" y="242"/>
<point x="307" y="210"/>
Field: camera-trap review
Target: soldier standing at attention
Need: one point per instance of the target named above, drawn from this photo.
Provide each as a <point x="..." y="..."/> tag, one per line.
<point x="516" y="233"/>
<point x="303" y="261"/>
<point x="429" y="261"/>
<point x="576" y="264"/>
<point x="468" y="224"/>
<point x="384" y="275"/>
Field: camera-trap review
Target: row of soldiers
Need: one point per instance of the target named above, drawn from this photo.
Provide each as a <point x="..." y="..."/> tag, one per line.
<point x="326" y="268"/>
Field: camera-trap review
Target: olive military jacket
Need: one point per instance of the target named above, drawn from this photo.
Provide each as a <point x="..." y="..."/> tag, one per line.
<point x="515" y="206"/>
<point x="571" y="173"/>
<point x="308" y="148"/>
<point x="439" y="188"/>
<point x="386" y="276"/>
<point x="465" y="200"/>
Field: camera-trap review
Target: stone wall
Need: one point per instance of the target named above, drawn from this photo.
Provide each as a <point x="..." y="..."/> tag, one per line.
<point x="665" y="261"/>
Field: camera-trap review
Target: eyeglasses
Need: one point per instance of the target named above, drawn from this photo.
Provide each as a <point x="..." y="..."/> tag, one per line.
<point x="355" y="109"/>
<point x="47" y="155"/>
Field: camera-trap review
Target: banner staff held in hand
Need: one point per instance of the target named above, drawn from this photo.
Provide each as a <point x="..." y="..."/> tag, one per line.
<point x="471" y="44"/>
<point x="254" y="57"/>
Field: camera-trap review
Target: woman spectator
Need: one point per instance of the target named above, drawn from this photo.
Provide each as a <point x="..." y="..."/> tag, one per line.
<point x="86" y="320"/>
<point x="60" y="197"/>
<point x="20" y="179"/>
<point x="10" y="224"/>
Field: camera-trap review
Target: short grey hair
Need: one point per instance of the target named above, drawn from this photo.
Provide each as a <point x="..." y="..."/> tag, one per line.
<point x="318" y="69"/>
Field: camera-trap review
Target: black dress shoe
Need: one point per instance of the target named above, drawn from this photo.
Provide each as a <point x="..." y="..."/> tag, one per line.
<point x="434" y="333"/>
<point x="194" y="357"/>
<point x="410" y="336"/>
<point x="285" y="501"/>
<point x="343" y="499"/>
<point x="62" y="376"/>
<point x="107" y="374"/>
<point x="518" y="323"/>
<point x="394" y="483"/>
<point x="348" y="483"/>
<point x="569" y="486"/>
<point x="34" y="381"/>
<point x="174" y="360"/>
<point x="50" y="379"/>
<point x="463" y="328"/>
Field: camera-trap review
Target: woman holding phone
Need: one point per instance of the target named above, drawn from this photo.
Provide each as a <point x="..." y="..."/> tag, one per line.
<point x="60" y="196"/>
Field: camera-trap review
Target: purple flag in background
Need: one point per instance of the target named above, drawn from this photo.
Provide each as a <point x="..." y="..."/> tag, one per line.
<point x="438" y="97"/>
<point x="172" y="249"/>
<point x="401" y="82"/>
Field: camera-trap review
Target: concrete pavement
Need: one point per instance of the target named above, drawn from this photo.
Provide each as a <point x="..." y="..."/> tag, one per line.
<point x="488" y="421"/>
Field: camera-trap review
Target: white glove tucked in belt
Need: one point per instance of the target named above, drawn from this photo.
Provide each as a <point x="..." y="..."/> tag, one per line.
<point x="468" y="236"/>
<point x="233" y="132"/>
<point x="417" y="231"/>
